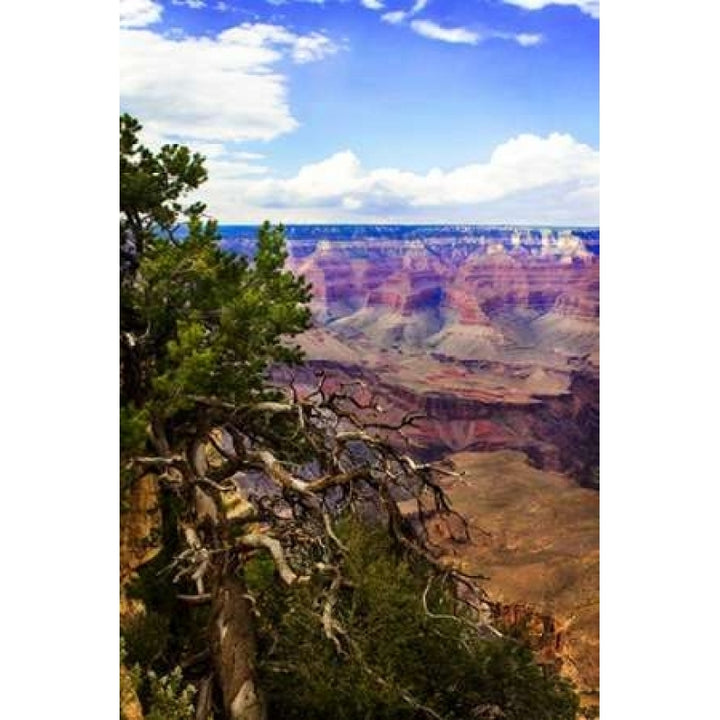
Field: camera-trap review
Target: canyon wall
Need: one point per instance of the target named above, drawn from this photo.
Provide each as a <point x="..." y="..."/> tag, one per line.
<point x="494" y="338"/>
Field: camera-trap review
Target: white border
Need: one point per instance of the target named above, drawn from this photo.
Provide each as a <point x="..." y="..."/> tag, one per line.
<point x="59" y="359"/>
<point x="660" y="300"/>
<point x="659" y="338"/>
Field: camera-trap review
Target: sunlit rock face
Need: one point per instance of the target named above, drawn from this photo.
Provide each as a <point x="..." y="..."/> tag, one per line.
<point x="139" y="531"/>
<point x="464" y="297"/>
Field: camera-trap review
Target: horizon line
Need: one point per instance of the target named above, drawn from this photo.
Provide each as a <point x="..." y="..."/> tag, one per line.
<point x="394" y="224"/>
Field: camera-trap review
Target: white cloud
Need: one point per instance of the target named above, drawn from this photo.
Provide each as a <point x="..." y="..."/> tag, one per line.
<point x="398" y="16"/>
<point x="522" y="39"/>
<point x="465" y="36"/>
<point x="230" y="168"/>
<point x="303" y="48"/>
<point x="250" y="155"/>
<point x="372" y="4"/>
<point x="589" y="7"/>
<point x="394" y="18"/>
<point x="139" y="13"/>
<point x="527" y="39"/>
<point x="192" y="4"/>
<point x="429" y="29"/>
<point x="456" y="35"/>
<point x="528" y="178"/>
<point x="312" y="47"/>
<point x="214" y="89"/>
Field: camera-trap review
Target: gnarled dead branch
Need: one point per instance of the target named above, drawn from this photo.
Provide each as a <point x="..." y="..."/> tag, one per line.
<point x="260" y="494"/>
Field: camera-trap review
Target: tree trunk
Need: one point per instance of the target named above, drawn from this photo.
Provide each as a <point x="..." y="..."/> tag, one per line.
<point x="234" y="651"/>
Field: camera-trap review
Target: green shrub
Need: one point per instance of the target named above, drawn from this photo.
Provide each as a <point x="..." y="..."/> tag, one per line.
<point x="402" y="658"/>
<point x="169" y="698"/>
<point x="146" y="637"/>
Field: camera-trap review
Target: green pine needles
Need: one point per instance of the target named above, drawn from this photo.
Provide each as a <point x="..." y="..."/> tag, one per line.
<point x="195" y="319"/>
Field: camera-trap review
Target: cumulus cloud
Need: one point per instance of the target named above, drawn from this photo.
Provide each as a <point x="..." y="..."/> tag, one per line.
<point x="528" y="178"/>
<point x="139" y="13"/>
<point x="372" y="4"/>
<point x="589" y="7"/>
<point x="217" y="89"/>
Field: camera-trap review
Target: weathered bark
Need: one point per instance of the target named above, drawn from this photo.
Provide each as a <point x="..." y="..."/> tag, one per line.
<point x="234" y="651"/>
<point x="203" y="705"/>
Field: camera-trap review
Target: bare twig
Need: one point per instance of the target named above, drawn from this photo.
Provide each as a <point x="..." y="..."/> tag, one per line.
<point x="195" y="599"/>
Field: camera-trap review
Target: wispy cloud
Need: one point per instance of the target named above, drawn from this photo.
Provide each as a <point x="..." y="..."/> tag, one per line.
<point x="395" y="17"/>
<point x="429" y="29"/>
<point x="466" y="36"/>
<point x="139" y="13"/>
<point x="398" y="16"/>
<point x="528" y="39"/>
<point x="523" y="39"/>
<point x="456" y="35"/>
<point x="589" y="7"/>
<point x="372" y="4"/>
<point x="311" y="47"/>
<point x="192" y="4"/>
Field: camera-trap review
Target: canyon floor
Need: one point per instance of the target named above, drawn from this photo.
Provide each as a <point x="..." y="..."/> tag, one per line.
<point x="535" y="534"/>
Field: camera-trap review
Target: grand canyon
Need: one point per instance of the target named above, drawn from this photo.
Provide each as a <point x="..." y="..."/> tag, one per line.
<point x="491" y="335"/>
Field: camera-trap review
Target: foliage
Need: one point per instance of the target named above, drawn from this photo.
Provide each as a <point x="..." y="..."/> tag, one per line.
<point x="443" y="663"/>
<point x="217" y="322"/>
<point x="133" y="428"/>
<point x="166" y="697"/>
<point x="169" y="697"/>
<point x="195" y="319"/>
<point x="151" y="187"/>
<point x="146" y="636"/>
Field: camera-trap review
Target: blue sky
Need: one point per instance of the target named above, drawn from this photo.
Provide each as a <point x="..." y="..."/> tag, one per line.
<point x="375" y="110"/>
